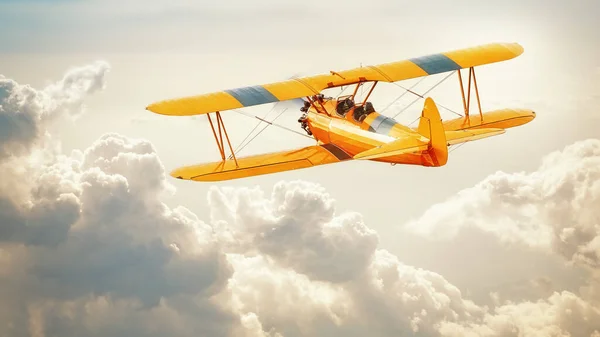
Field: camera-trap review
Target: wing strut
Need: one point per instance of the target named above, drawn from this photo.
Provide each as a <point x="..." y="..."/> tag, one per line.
<point x="467" y="100"/>
<point x="312" y="102"/>
<point x="219" y="139"/>
<point x="242" y="145"/>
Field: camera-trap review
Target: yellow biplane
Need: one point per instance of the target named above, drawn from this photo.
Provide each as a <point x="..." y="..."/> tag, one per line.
<point x="347" y="129"/>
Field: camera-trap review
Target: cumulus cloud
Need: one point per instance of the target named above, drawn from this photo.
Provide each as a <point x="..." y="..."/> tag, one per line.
<point x="117" y="250"/>
<point x="296" y="226"/>
<point x="305" y="271"/>
<point x="562" y="314"/>
<point x="89" y="249"/>
<point x="553" y="208"/>
<point x="89" y="242"/>
<point x="38" y="205"/>
<point x="25" y="111"/>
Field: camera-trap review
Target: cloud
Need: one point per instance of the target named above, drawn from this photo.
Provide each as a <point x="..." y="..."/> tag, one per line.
<point x="562" y="314"/>
<point x="553" y="208"/>
<point x="306" y="270"/>
<point x="88" y="242"/>
<point x="88" y="248"/>
<point x="39" y="205"/>
<point x="25" y="112"/>
<point x="297" y="228"/>
<point x="117" y="249"/>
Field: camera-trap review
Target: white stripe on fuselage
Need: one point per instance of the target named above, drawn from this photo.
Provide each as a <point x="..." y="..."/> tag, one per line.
<point x="351" y="128"/>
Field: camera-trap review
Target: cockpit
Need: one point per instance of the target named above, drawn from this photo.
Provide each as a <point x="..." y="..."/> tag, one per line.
<point x="342" y="106"/>
<point x="359" y="112"/>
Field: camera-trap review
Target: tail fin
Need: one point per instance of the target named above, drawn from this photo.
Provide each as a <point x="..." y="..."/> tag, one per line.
<point x="431" y="127"/>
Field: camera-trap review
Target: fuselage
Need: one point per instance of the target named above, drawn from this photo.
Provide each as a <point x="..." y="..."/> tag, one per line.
<point x="354" y="134"/>
<point x="357" y="129"/>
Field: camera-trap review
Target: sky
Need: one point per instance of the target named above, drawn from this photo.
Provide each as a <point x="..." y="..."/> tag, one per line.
<point x="97" y="240"/>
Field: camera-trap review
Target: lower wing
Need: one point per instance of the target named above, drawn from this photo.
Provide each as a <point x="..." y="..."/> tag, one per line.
<point x="263" y="164"/>
<point x="314" y="156"/>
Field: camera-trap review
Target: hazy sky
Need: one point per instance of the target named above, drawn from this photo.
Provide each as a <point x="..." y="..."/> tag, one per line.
<point x="160" y="49"/>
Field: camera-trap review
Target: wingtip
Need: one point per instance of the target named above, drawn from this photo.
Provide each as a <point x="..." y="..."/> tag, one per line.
<point x="176" y="173"/>
<point x="158" y="108"/>
<point x="151" y="108"/>
<point x="515" y="47"/>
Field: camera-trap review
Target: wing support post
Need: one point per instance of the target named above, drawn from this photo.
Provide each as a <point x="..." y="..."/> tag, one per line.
<point x="312" y="102"/>
<point x="358" y="85"/>
<point x="219" y="138"/>
<point x="369" y="93"/>
<point x="467" y="100"/>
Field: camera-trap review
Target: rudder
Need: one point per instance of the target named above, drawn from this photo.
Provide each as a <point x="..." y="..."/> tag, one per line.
<point x="430" y="126"/>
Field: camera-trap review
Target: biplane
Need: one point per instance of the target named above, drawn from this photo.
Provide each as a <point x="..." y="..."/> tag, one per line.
<point x="346" y="128"/>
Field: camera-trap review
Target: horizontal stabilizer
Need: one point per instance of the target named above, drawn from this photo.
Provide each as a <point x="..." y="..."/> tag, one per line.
<point x="394" y="148"/>
<point x="457" y="137"/>
<point x="496" y="119"/>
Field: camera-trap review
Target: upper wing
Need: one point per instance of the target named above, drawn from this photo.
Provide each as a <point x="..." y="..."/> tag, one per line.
<point x="263" y="164"/>
<point x="311" y="85"/>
